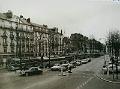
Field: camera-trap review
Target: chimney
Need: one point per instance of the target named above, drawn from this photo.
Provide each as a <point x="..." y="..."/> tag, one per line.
<point x="28" y="20"/>
<point x="21" y="16"/>
<point x="61" y="32"/>
<point x="9" y="14"/>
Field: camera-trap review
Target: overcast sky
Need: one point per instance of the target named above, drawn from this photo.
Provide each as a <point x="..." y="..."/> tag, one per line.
<point x="89" y="17"/>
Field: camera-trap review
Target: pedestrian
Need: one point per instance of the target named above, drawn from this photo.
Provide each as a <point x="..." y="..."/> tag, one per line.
<point x="112" y="60"/>
<point x="61" y="70"/>
<point x="69" y="69"/>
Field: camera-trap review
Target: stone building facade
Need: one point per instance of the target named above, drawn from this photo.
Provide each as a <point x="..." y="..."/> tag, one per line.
<point x="21" y="38"/>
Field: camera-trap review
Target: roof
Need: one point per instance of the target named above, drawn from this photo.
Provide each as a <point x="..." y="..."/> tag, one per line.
<point x="34" y="24"/>
<point x="14" y="17"/>
<point x="3" y="16"/>
<point x="22" y="19"/>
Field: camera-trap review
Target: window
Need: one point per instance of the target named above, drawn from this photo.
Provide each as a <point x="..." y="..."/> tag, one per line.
<point x="5" y="49"/>
<point x="4" y="42"/>
<point x="32" y="69"/>
<point x="11" y="32"/>
<point x="12" y="49"/>
<point x="4" y="34"/>
<point x="36" y="69"/>
<point x="11" y="35"/>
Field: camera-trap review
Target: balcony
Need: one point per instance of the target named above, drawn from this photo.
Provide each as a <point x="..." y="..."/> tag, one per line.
<point x="17" y="37"/>
<point x="27" y="38"/>
<point x="4" y="36"/>
<point x="11" y="36"/>
<point x="12" y="44"/>
<point x="22" y="37"/>
<point x="32" y="38"/>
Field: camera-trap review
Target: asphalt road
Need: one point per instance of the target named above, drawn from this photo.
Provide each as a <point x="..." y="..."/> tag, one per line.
<point x="82" y="77"/>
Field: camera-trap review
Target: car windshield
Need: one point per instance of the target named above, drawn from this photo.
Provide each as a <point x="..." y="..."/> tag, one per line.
<point x="32" y="69"/>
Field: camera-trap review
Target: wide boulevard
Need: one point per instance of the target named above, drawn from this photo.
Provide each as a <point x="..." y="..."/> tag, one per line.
<point x="82" y="77"/>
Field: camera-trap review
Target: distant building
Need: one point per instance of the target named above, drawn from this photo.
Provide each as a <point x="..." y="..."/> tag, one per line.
<point x="56" y="41"/>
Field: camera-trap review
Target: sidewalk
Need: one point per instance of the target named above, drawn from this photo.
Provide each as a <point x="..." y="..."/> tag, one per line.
<point x="108" y="78"/>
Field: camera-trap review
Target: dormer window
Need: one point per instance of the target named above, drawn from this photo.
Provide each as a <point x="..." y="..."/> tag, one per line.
<point x="4" y="35"/>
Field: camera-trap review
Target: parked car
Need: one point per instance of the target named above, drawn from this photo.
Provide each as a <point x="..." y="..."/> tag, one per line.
<point x="78" y="62"/>
<point x="57" y="67"/>
<point x="105" y="68"/>
<point x="73" y="63"/>
<point x="12" y="68"/>
<point x="31" y="71"/>
<point x="89" y="59"/>
<point x="84" y="61"/>
<point x="65" y="65"/>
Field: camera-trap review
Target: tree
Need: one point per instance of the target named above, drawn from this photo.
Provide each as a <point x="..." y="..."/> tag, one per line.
<point x="77" y="42"/>
<point x="113" y="42"/>
<point x="66" y="44"/>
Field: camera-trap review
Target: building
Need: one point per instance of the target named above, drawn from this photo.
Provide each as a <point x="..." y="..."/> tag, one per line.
<point x="55" y="41"/>
<point x="83" y="44"/>
<point x="21" y="38"/>
<point x="15" y="36"/>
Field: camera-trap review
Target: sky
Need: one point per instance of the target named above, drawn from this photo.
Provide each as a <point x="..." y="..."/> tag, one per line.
<point x="92" y="18"/>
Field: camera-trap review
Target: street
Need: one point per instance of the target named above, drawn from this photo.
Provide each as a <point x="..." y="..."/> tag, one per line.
<point x="82" y="77"/>
<point x="60" y="44"/>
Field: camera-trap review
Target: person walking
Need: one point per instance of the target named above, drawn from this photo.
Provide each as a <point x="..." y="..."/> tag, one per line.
<point x="69" y="68"/>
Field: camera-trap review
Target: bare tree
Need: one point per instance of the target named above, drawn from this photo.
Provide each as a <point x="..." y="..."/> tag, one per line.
<point x="113" y="43"/>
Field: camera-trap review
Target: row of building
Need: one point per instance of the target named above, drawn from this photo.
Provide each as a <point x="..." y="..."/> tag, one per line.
<point x="80" y="44"/>
<point x="19" y="37"/>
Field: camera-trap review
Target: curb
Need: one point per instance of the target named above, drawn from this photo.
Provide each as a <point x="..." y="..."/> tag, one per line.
<point x="106" y="80"/>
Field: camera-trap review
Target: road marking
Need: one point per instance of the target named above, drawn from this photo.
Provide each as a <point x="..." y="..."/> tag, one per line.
<point x="83" y="84"/>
